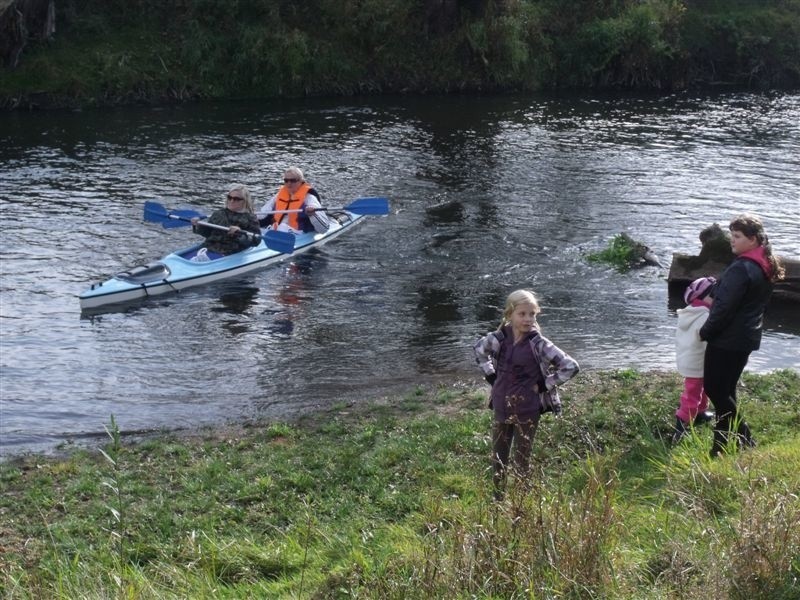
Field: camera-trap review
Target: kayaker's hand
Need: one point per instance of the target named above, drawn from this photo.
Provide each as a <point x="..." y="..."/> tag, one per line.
<point x="310" y="210"/>
<point x="234" y="229"/>
<point x="195" y="221"/>
<point x="245" y="240"/>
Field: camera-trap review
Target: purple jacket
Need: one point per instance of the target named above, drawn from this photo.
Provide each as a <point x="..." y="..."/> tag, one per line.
<point x="534" y="363"/>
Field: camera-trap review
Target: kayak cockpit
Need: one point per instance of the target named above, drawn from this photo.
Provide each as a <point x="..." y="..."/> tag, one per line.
<point x="145" y="273"/>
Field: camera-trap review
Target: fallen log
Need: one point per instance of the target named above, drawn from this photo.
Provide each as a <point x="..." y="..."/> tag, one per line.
<point x="714" y="256"/>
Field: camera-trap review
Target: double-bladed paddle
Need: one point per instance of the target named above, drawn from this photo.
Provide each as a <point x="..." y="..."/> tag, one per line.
<point x="280" y="241"/>
<point x="361" y="206"/>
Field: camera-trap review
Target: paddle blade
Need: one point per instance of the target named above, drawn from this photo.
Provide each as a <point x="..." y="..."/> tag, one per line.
<point x="280" y="241"/>
<point x="171" y="223"/>
<point x="155" y="212"/>
<point x="369" y="206"/>
<point x="158" y="213"/>
<point x="181" y="217"/>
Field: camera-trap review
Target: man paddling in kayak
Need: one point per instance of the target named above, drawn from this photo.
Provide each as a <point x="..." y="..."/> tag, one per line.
<point x="238" y="217"/>
<point x="300" y="201"/>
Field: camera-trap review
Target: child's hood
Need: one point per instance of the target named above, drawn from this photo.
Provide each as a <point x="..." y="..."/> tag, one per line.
<point x="689" y="315"/>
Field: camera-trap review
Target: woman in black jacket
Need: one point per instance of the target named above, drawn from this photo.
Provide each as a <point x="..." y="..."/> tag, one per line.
<point x="733" y="327"/>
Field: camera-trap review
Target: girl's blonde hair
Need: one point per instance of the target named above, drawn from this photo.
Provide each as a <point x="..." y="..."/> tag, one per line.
<point x="248" y="201"/>
<point x="516" y="298"/>
<point x="751" y="226"/>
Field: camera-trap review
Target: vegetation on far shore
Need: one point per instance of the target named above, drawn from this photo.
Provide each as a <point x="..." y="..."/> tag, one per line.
<point x="393" y="499"/>
<point x="123" y="51"/>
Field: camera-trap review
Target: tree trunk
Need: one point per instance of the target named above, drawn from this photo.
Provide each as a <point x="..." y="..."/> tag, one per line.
<point x="21" y="21"/>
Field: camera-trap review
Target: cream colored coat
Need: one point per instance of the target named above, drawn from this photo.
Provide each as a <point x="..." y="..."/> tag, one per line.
<point x="690" y="350"/>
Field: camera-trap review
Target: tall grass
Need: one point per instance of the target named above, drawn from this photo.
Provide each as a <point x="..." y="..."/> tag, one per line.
<point x="394" y="500"/>
<point x="543" y="540"/>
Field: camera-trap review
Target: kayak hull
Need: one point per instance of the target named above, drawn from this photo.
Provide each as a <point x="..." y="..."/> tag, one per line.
<point x="174" y="273"/>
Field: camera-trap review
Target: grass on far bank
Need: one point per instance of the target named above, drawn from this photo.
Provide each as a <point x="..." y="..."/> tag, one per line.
<point x="393" y="500"/>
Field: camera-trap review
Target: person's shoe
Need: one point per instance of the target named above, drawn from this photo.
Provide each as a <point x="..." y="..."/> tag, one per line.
<point x="680" y="430"/>
<point x="744" y="443"/>
<point x="703" y="417"/>
<point x="744" y="438"/>
<point x="720" y="443"/>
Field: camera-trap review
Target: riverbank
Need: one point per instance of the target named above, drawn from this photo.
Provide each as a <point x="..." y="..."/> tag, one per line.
<point x="91" y="53"/>
<point x="392" y="499"/>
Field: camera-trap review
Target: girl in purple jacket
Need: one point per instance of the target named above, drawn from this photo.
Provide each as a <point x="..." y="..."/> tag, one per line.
<point x="523" y="367"/>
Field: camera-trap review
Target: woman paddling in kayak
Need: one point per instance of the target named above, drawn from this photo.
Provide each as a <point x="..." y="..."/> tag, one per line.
<point x="301" y="202"/>
<point x="238" y="217"/>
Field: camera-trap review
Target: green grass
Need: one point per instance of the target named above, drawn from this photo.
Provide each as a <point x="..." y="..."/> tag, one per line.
<point x="393" y="499"/>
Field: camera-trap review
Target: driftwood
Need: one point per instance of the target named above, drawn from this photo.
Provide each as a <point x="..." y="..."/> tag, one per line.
<point x="641" y="255"/>
<point x="714" y="256"/>
<point x="625" y="253"/>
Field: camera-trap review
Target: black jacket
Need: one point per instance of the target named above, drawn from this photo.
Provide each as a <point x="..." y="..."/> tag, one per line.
<point x="736" y="316"/>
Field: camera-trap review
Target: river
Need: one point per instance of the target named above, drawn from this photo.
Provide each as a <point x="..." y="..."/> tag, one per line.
<point x="488" y="194"/>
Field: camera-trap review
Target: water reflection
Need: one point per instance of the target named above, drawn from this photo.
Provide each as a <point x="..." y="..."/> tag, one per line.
<point x="236" y="303"/>
<point x="437" y="319"/>
<point x="439" y="306"/>
<point x="447" y="212"/>
<point x="460" y="140"/>
<point x="295" y="292"/>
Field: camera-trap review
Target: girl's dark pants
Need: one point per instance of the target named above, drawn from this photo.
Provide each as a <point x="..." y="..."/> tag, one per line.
<point x="503" y="434"/>
<point x="721" y="372"/>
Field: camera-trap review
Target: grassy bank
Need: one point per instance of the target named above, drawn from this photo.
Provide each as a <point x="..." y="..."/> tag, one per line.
<point x="393" y="500"/>
<point x="123" y="51"/>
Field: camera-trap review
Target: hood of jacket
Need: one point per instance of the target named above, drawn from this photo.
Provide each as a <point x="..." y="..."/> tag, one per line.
<point x="759" y="256"/>
<point x="687" y="316"/>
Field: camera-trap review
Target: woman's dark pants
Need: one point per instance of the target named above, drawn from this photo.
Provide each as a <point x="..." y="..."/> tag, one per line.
<point x="721" y="372"/>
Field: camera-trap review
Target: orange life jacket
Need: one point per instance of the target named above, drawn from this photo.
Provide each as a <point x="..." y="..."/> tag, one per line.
<point x="285" y="201"/>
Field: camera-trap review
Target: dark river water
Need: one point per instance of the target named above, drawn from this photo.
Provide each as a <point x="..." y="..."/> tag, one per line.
<point x="488" y="194"/>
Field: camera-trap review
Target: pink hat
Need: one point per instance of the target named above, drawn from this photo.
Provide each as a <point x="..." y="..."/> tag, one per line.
<point x="699" y="289"/>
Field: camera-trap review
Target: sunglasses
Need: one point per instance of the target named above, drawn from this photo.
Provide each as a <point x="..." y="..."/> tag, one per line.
<point x="234" y="198"/>
<point x="290" y="180"/>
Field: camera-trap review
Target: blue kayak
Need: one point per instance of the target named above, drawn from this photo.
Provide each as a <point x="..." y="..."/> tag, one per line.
<point x="177" y="271"/>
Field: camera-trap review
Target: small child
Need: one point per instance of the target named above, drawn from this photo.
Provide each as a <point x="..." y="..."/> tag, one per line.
<point x="523" y="368"/>
<point x="689" y="354"/>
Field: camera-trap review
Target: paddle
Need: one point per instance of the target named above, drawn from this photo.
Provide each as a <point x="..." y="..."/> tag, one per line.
<point x="158" y="213"/>
<point x="361" y="206"/>
<point x="280" y="241"/>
